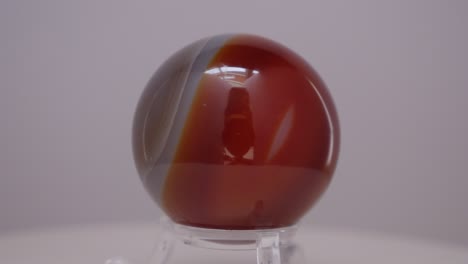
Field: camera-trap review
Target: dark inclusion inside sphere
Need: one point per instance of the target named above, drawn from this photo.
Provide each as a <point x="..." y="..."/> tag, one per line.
<point x="235" y="132"/>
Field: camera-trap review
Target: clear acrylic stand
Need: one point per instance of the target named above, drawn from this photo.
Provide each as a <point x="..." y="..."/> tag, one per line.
<point x="185" y="244"/>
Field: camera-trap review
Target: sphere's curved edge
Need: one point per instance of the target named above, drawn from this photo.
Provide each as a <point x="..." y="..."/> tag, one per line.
<point x="149" y="138"/>
<point x="184" y="83"/>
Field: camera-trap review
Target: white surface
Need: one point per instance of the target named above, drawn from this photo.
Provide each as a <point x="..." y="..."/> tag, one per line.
<point x="86" y="245"/>
<point x="71" y="73"/>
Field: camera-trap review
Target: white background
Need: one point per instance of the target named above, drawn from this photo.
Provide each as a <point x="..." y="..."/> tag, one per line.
<point x="71" y="73"/>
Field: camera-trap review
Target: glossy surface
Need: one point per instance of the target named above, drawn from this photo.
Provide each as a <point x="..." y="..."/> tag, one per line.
<point x="235" y="132"/>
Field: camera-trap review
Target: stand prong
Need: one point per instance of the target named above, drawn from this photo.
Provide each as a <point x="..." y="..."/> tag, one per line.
<point x="268" y="248"/>
<point x="164" y="245"/>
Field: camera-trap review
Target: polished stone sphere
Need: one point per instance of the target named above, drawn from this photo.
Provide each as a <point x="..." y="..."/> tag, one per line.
<point x="235" y="132"/>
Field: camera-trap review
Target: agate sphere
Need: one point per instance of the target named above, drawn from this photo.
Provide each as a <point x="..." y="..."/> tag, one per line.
<point x="235" y="132"/>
